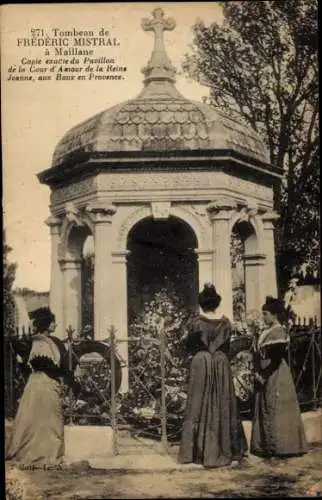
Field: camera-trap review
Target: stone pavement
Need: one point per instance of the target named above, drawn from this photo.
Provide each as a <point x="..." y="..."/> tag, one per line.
<point x="142" y="460"/>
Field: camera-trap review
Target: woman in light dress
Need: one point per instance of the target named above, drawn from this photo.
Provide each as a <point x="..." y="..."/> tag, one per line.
<point x="38" y="430"/>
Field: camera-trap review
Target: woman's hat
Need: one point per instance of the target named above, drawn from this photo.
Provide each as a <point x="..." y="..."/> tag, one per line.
<point x="42" y="317"/>
<point x="274" y="306"/>
<point x="209" y="297"/>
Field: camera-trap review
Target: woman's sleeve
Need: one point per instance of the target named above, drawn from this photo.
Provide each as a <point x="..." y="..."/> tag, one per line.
<point x="192" y="336"/>
<point x="273" y="356"/>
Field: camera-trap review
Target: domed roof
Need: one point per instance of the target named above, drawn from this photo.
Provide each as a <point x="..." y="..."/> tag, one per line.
<point x="160" y="118"/>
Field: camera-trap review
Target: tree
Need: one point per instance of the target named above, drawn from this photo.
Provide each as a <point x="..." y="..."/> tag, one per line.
<point x="261" y="65"/>
<point x="9" y="274"/>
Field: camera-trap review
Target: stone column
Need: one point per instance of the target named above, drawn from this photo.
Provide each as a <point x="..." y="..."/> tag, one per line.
<point x="104" y="284"/>
<point x="71" y="270"/>
<point x="220" y="213"/>
<point x="205" y="262"/>
<point x="120" y="309"/>
<point x="268" y="246"/>
<point x="56" y="282"/>
<point x="254" y="266"/>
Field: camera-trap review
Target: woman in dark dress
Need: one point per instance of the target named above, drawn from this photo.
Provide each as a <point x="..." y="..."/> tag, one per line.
<point x="212" y="433"/>
<point x="277" y="429"/>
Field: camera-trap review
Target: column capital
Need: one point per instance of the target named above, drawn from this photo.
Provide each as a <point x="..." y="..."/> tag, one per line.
<point x="120" y="257"/>
<point x="254" y="259"/>
<point x="270" y="216"/>
<point x="221" y="208"/>
<point x="247" y="210"/>
<point x="70" y="264"/>
<point x="53" y="222"/>
<point x="101" y="212"/>
<point x="204" y="255"/>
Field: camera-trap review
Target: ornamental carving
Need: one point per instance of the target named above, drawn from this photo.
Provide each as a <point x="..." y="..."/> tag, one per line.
<point x="250" y="210"/>
<point x="199" y="210"/>
<point x="72" y="214"/>
<point x="161" y="210"/>
<point x="73" y="191"/>
<point x="135" y="216"/>
<point x="194" y="181"/>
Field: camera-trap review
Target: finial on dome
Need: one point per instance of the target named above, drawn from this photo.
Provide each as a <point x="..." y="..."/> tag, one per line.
<point x="159" y="66"/>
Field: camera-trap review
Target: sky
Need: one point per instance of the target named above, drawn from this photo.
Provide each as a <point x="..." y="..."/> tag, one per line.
<point x="35" y="115"/>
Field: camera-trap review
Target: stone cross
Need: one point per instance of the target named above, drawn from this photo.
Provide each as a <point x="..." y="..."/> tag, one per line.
<point x="158" y="24"/>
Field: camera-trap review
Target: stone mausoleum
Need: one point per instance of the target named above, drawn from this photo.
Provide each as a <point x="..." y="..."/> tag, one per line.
<point x="160" y="182"/>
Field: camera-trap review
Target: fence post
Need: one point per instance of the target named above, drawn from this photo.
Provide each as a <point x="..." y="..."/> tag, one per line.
<point x="313" y="371"/>
<point x="70" y="332"/>
<point x="113" y="392"/>
<point x="289" y="350"/>
<point x="164" y="440"/>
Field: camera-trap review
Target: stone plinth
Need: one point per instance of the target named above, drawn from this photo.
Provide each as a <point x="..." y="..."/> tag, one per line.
<point x="312" y="421"/>
<point x="85" y="442"/>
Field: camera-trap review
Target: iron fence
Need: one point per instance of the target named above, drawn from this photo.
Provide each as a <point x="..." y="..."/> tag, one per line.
<point x="102" y="403"/>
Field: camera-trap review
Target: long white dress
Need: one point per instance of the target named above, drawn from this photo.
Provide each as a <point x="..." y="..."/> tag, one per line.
<point x="38" y="429"/>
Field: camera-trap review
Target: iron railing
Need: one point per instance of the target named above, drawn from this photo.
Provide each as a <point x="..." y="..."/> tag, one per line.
<point x="304" y="358"/>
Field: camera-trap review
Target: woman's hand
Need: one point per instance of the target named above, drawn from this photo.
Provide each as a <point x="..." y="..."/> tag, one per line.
<point x="259" y="379"/>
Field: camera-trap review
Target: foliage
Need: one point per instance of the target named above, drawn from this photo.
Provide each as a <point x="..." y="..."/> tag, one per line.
<point x="237" y="251"/>
<point x="261" y="66"/>
<point x="92" y="405"/>
<point x="236" y="247"/>
<point x="9" y="274"/>
<point x="141" y="405"/>
<point x="9" y="322"/>
<point x="88" y="290"/>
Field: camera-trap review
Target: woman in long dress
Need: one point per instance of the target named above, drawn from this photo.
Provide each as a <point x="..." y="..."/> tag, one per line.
<point x="212" y="433"/>
<point x="38" y="429"/>
<point x="277" y="429"/>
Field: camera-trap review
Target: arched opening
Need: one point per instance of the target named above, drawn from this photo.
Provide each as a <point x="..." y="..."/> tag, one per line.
<point x="244" y="257"/>
<point x="162" y="257"/>
<point x="78" y="279"/>
<point x="87" y="269"/>
<point x="237" y="252"/>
